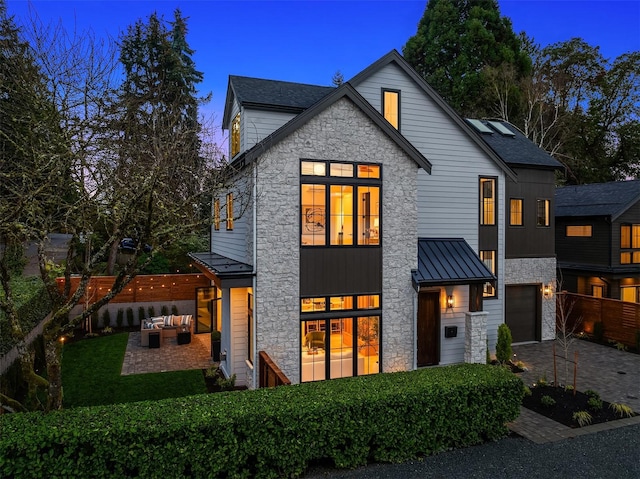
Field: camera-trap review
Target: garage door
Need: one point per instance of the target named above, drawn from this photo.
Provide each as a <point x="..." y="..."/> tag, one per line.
<point x="522" y="308"/>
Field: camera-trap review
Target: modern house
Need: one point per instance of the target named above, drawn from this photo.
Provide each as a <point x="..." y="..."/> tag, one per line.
<point x="598" y="239"/>
<point x="364" y="229"/>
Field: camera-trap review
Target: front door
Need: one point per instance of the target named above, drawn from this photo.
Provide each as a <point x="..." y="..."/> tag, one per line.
<point x="428" y="328"/>
<point x="206" y="309"/>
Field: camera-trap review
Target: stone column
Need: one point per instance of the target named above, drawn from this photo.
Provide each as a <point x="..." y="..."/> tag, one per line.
<point x="475" y="337"/>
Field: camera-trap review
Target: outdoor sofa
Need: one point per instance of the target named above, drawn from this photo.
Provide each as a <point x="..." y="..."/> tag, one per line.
<point x="167" y="326"/>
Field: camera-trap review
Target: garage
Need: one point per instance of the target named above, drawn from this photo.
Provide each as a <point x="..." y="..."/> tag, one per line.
<point x="522" y="312"/>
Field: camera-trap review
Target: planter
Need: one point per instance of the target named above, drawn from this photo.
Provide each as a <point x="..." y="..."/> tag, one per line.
<point x="215" y="350"/>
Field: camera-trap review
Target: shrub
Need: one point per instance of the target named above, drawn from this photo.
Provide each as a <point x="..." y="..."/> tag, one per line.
<point x="503" y="346"/>
<point x="106" y="318"/>
<point x="595" y="404"/>
<point x="542" y="381"/>
<point x="527" y="391"/>
<point x="270" y="432"/>
<point x="174" y="310"/>
<point x="152" y="311"/>
<point x="621" y="410"/>
<point x="120" y="317"/>
<point x="164" y="311"/>
<point x="488" y="353"/>
<point x="141" y="314"/>
<point x="547" y="401"/>
<point x="592" y="394"/>
<point x="95" y="320"/>
<point x="638" y="341"/>
<point x="583" y="418"/>
<point x="598" y="331"/>
<point x="130" y="320"/>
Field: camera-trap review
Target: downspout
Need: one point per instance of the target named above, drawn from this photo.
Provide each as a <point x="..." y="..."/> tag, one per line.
<point x="253" y="272"/>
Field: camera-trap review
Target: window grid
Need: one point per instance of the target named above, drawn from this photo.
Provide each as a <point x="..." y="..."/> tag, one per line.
<point x="542" y="213"/>
<point x="488" y="201"/>
<point x="488" y="257"/>
<point x="235" y="136"/>
<point x="216" y="214"/>
<point x="630" y="244"/>
<point x="515" y="218"/>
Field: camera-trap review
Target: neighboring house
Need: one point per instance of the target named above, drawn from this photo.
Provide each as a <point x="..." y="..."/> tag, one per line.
<point x="364" y="210"/>
<point x="530" y="259"/>
<point x="598" y="239"/>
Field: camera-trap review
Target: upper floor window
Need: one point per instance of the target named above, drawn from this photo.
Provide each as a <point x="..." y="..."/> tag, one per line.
<point x="341" y="208"/>
<point x="488" y="201"/>
<point x="515" y="212"/>
<point x="229" y="211"/>
<point x="391" y="107"/>
<point x="542" y="212"/>
<point x="583" y="231"/>
<point x="235" y="136"/>
<point x="216" y="214"/>
<point x="488" y="257"/>
<point x="630" y="240"/>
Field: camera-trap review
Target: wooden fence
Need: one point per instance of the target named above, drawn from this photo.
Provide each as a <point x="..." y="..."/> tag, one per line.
<point x="143" y="288"/>
<point x="620" y="320"/>
<point x="270" y="374"/>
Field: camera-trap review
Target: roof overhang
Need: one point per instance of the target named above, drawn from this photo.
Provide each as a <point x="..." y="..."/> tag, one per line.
<point x="611" y="272"/>
<point x="448" y="261"/>
<point x="224" y="272"/>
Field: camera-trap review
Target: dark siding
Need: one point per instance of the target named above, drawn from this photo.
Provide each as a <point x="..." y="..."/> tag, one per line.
<point x="594" y="250"/>
<point x="529" y="240"/>
<point x="327" y="271"/>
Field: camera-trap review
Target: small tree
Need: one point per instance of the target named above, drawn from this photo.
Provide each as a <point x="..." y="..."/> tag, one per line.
<point x="152" y="311"/>
<point x="120" y="318"/>
<point x="503" y="346"/>
<point x="106" y="318"/>
<point x="141" y="314"/>
<point x="130" y="317"/>
<point x="174" y="310"/>
<point x="566" y="327"/>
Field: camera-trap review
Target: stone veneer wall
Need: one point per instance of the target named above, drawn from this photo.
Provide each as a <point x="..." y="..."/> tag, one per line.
<point x="536" y="271"/>
<point x="341" y="132"/>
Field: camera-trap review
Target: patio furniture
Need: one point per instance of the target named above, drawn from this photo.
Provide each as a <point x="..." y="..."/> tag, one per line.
<point x="154" y="339"/>
<point x="167" y="326"/>
<point x="184" y="336"/>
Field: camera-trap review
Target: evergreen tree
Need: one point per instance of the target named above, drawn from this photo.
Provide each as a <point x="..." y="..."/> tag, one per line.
<point x="457" y="44"/>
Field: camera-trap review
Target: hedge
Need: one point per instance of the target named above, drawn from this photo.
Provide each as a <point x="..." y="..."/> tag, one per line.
<point x="267" y="432"/>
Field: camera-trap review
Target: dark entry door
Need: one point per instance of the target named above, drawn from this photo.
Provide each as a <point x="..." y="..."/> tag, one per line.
<point x="428" y="328"/>
<point x="522" y="312"/>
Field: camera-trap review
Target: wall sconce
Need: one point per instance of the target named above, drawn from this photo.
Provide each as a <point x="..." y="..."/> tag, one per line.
<point x="450" y="301"/>
<point x="547" y="291"/>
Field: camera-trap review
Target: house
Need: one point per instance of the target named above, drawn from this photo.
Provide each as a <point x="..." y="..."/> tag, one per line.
<point x="598" y="239"/>
<point x="363" y="232"/>
<point x="530" y="260"/>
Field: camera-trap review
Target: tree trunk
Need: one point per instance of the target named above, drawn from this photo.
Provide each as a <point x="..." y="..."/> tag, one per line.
<point x="53" y="355"/>
<point x="111" y="262"/>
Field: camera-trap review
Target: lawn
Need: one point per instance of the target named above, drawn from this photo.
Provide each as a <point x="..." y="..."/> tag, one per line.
<point x="91" y="376"/>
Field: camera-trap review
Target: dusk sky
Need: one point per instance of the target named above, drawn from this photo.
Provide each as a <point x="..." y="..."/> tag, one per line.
<point x="308" y="41"/>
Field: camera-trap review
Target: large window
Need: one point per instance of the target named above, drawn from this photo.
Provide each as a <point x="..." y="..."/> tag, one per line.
<point x="340" y="204"/>
<point x="229" y="211"/>
<point x="346" y="344"/>
<point x="489" y="259"/>
<point x="515" y="212"/>
<point x="488" y="201"/>
<point x="235" y="136"/>
<point x="629" y="241"/>
<point x="391" y="107"/>
<point x="542" y="213"/>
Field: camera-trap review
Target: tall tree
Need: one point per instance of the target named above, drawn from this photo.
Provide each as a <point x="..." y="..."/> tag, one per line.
<point x="457" y="48"/>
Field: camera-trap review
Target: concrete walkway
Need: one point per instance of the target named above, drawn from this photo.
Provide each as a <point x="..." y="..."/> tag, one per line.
<point x="170" y="356"/>
<point x="614" y="374"/>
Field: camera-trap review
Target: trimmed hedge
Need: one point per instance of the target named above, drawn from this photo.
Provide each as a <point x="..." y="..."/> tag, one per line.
<point x="268" y="432"/>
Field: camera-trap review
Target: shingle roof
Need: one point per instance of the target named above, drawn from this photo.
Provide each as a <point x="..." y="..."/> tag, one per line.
<point x="516" y="150"/>
<point x="598" y="199"/>
<point x="445" y="261"/>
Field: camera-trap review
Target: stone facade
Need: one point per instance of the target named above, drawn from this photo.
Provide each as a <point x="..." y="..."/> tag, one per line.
<point x="475" y="337"/>
<point x="536" y="271"/>
<point x="340" y="132"/>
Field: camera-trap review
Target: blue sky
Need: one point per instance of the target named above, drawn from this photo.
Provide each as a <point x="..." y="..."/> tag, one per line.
<point x="307" y="41"/>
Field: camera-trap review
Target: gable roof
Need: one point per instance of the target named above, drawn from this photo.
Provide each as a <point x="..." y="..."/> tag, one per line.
<point x="261" y="94"/>
<point x="597" y="199"/>
<point x="444" y="261"/>
<point x="394" y="57"/>
<point x="343" y="91"/>
<point x="515" y="149"/>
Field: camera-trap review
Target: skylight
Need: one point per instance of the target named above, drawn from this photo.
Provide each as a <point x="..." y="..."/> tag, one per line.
<point x="500" y="128"/>
<point x="479" y="126"/>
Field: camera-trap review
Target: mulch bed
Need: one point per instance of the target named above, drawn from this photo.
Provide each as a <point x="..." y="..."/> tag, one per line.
<point x="566" y="404"/>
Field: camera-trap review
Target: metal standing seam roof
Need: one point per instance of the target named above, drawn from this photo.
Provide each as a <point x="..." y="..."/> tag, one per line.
<point x="597" y="199"/>
<point x="222" y="266"/>
<point x="448" y="261"/>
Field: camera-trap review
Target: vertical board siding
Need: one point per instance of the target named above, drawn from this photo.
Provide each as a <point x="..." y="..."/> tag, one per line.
<point x="239" y="335"/>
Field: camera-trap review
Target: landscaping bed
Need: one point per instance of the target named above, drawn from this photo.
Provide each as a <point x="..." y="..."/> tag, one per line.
<point x="562" y="404"/>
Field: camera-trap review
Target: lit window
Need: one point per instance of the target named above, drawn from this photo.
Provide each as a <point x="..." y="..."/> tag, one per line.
<point x="488" y="257"/>
<point x="515" y="206"/>
<point x="235" y="136"/>
<point x="579" y="231"/>
<point x="341" y="169"/>
<point x="216" y="214"/>
<point x="314" y="168"/>
<point x="250" y="326"/>
<point x="597" y="291"/>
<point x="368" y="171"/>
<point x="313" y="214"/>
<point x="629" y="294"/>
<point x="630" y="241"/>
<point x="337" y="303"/>
<point x="229" y="211"/>
<point x="341" y="215"/>
<point x="313" y="305"/>
<point x="391" y="107"/>
<point x="488" y="205"/>
<point x="370" y="301"/>
<point x="368" y="214"/>
<point x="542" y="213"/>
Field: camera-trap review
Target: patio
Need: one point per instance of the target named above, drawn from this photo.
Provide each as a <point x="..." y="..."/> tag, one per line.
<point x="170" y="356"/>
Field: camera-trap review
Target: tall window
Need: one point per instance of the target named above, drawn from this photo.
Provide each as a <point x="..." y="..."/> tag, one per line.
<point x="488" y="201"/>
<point x="391" y="107"/>
<point x="515" y="212"/>
<point x="542" y="212"/>
<point x="235" y="136"/>
<point x="229" y="211"/>
<point x="629" y="241"/>
<point x="216" y="214"/>
<point x="345" y="344"/>
<point x="250" y="326"/>
<point x="340" y="204"/>
<point x="489" y="259"/>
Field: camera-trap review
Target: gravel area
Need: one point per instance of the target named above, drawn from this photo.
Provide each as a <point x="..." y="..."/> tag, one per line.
<point x="607" y="454"/>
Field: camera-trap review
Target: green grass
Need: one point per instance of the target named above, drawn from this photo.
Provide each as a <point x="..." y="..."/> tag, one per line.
<point x="91" y="376"/>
